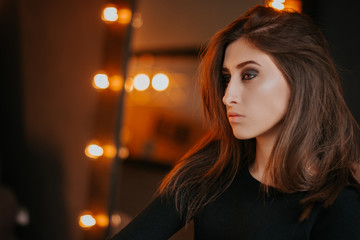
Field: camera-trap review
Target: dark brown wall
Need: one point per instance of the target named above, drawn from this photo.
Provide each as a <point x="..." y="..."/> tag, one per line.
<point x="340" y="20"/>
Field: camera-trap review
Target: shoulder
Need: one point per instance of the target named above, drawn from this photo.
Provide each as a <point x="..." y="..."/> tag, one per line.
<point x="345" y="207"/>
<point x="159" y="220"/>
<point x="348" y="195"/>
<point x="341" y="220"/>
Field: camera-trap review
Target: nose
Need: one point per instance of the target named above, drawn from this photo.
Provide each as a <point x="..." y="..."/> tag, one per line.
<point x="232" y="94"/>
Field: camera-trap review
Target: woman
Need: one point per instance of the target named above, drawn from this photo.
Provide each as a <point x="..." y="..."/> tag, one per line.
<point x="282" y="159"/>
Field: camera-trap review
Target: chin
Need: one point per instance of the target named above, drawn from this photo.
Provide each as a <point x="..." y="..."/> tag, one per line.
<point x="242" y="136"/>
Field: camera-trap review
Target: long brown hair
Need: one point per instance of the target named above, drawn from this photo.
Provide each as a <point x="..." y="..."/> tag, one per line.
<point x="317" y="149"/>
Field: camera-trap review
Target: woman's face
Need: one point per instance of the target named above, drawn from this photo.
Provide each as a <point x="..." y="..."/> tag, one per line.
<point x="257" y="94"/>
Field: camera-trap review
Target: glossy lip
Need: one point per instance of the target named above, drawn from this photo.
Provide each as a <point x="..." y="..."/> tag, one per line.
<point x="235" y="117"/>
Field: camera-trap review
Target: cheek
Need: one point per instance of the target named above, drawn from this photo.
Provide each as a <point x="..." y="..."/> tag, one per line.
<point x="272" y="100"/>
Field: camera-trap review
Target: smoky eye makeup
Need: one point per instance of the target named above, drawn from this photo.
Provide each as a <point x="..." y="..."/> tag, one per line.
<point x="248" y="74"/>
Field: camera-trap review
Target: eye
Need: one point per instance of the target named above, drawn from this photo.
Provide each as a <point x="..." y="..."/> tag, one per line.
<point x="249" y="74"/>
<point x="226" y="79"/>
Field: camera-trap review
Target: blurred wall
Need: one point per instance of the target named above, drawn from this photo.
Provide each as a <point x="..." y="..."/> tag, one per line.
<point x="339" y="22"/>
<point x="61" y="49"/>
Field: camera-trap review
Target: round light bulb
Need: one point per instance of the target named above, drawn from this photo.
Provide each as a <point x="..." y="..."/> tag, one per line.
<point x="277" y="5"/>
<point x="94" y="151"/>
<point x="102" y="220"/>
<point x="101" y="81"/>
<point x="110" y="14"/>
<point x="141" y="82"/>
<point x="115" y="219"/>
<point x="116" y="83"/>
<point x="87" y="221"/>
<point x="124" y="16"/>
<point x="160" y="82"/>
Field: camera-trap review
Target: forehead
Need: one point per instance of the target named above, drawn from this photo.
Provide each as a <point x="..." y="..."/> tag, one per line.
<point x="241" y="51"/>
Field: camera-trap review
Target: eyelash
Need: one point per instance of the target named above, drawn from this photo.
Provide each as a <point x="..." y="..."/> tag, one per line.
<point x="249" y="73"/>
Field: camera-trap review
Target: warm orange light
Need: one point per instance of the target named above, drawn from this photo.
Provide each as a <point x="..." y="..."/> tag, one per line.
<point x="285" y="4"/>
<point x="160" y="82"/>
<point x="109" y="151"/>
<point x="116" y="83"/>
<point x="137" y="21"/>
<point x="102" y="220"/>
<point x="101" y="81"/>
<point x="129" y="85"/>
<point x="277" y="5"/>
<point x="123" y="152"/>
<point x="94" y="151"/>
<point x="124" y="16"/>
<point x="87" y="221"/>
<point x="110" y="14"/>
<point x="115" y="219"/>
<point x="141" y="82"/>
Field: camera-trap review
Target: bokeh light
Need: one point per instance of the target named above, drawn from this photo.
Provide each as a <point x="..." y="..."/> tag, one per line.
<point x="109" y="151"/>
<point x="277" y="5"/>
<point x="102" y="220"/>
<point x="22" y="217"/>
<point x="129" y="85"/>
<point x="87" y="221"/>
<point x="101" y="81"/>
<point x="110" y="14"/>
<point x="123" y="152"/>
<point x="295" y="5"/>
<point x="160" y="82"/>
<point x="94" y="151"/>
<point x="116" y="83"/>
<point x="115" y="219"/>
<point x="124" y="16"/>
<point x="137" y="21"/>
<point x="141" y="82"/>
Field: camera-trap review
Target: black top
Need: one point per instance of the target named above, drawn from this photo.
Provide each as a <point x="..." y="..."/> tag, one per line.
<point x="242" y="212"/>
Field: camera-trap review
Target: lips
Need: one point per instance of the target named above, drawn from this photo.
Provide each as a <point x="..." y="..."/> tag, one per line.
<point x="235" y="117"/>
<point x="234" y="114"/>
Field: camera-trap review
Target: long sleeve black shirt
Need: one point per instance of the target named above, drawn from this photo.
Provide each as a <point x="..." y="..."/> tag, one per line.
<point x="243" y="212"/>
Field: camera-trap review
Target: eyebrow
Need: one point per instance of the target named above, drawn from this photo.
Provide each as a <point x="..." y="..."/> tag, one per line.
<point x="241" y="65"/>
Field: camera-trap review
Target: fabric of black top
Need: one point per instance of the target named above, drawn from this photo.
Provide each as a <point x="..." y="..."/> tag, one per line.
<point x="243" y="212"/>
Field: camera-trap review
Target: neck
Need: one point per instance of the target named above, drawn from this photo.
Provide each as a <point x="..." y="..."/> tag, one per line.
<point x="264" y="146"/>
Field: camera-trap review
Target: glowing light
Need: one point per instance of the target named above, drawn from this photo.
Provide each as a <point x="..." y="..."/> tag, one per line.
<point x="101" y="81"/>
<point x="123" y="152"/>
<point x="87" y="221"/>
<point x="94" y="151"/>
<point x="160" y="82"/>
<point x="277" y="5"/>
<point x="137" y="21"/>
<point x="115" y="219"/>
<point x="110" y="14"/>
<point x="116" y="83"/>
<point x="129" y="85"/>
<point x="109" y="151"/>
<point x="22" y="217"/>
<point x="124" y="16"/>
<point x="285" y="4"/>
<point x="141" y="82"/>
<point x="102" y="220"/>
